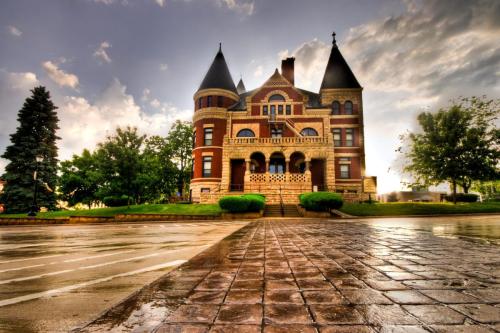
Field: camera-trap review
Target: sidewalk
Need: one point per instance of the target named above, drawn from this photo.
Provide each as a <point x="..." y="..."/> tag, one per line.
<point x="320" y="276"/>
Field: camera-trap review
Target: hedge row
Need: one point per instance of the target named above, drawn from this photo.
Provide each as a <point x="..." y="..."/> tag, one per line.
<point x="243" y="203"/>
<point x="462" y="197"/>
<point x="320" y="201"/>
<point x="115" y="201"/>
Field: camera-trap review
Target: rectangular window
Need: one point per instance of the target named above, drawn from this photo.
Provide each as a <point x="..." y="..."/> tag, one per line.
<point x="344" y="171"/>
<point x="194" y="139"/>
<point x="209" y="101"/>
<point x="337" y="137"/>
<point x="199" y="102"/>
<point x="349" y="137"/>
<point x="273" y="109"/>
<point x="280" y="109"/>
<point x="208" y="136"/>
<point x="207" y="166"/>
<point x="288" y="110"/>
<point x="276" y="133"/>
<point x="205" y="190"/>
<point x="264" y="110"/>
<point x="220" y="101"/>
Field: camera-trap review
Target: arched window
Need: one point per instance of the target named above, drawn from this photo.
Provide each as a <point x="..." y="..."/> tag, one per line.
<point x="348" y="107"/>
<point x="276" y="98"/>
<point x="246" y="133"/>
<point x="308" y="131"/>
<point x="335" y="107"/>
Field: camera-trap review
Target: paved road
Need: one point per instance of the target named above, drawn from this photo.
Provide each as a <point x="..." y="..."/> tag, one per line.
<point x="54" y="277"/>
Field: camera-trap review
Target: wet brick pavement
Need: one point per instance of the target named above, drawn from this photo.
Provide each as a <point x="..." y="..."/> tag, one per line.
<point x="321" y="276"/>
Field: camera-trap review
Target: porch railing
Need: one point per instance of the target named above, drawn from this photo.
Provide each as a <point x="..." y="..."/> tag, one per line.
<point x="277" y="141"/>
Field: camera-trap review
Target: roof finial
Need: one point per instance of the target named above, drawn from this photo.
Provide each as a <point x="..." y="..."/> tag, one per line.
<point x="220" y="47"/>
<point x="334" y="42"/>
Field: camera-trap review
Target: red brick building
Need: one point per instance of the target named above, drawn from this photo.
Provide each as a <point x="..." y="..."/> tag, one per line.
<point x="278" y="139"/>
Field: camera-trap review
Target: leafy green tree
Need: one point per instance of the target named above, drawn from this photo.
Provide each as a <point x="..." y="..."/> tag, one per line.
<point x="35" y="137"/>
<point x="160" y="172"/>
<point x="119" y="159"/>
<point x="80" y="179"/>
<point x="489" y="189"/>
<point x="180" y="141"/>
<point x="458" y="144"/>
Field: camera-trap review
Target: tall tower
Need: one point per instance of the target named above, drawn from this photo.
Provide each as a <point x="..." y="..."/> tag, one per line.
<point x="216" y="93"/>
<point x="341" y="92"/>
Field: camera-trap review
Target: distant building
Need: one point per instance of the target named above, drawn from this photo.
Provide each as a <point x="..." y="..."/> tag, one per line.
<point x="278" y="139"/>
<point x="415" y="195"/>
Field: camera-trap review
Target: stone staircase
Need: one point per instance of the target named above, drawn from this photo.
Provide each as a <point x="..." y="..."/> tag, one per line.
<point x="275" y="211"/>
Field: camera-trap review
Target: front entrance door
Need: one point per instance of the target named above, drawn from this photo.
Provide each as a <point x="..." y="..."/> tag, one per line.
<point x="237" y="175"/>
<point x="318" y="174"/>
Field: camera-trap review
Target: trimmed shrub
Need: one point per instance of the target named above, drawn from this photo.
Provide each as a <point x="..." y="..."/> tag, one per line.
<point x="321" y="201"/>
<point x="242" y="203"/>
<point x="463" y="197"/>
<point x="115" y="201"/>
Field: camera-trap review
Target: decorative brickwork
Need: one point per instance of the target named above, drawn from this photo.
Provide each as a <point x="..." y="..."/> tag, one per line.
<point x="279" y="161"/>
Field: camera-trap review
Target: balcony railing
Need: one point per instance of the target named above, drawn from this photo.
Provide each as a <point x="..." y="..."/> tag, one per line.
<point x="277" y="141"/>
<point x="279" y="178"/>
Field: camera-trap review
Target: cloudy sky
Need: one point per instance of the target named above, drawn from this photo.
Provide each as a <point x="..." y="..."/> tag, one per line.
<point x="111" y="63"/>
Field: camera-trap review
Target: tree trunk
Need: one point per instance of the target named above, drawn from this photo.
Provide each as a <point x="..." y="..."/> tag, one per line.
<point x="454" y="183"/>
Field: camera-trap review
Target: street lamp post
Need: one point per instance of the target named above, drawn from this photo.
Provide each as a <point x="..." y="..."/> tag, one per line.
<point x="34" y="206"/>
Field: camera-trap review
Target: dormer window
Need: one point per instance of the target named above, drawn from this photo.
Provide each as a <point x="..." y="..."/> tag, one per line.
<point x="335" y="108"/>
<point x="277" y="106"/>
<point x="348" y="107"/>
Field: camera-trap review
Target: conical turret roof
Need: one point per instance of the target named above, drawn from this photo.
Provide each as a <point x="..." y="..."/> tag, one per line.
<point x="241" y="87"/>
<point x="338" y="74"/>
<point x="218" y="75"/>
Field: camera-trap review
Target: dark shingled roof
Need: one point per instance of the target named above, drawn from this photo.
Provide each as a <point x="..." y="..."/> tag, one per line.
<point x="218" y="75"/>
<point x="338" y="74"/>
<point x="241" y="87"/>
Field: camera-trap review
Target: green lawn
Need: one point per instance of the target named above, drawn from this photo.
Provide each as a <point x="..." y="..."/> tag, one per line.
<point x="408" y="208"/>
<point x="178" y="209"/>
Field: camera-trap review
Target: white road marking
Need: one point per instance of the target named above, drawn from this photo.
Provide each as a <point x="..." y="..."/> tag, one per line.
<point x="66" y="261"/>
<point x="57" y="291"/>
<point x="10" y="247"/>
<point x="25" y="259"/>
<point x="33" y="277"/>
<point x="21" y="268"/>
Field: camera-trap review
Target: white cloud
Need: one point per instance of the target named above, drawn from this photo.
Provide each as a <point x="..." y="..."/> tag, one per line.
<point x="163" y="67"/>
<point x="83" y="123"/>
<point x="22" y="81"/>
<point x="14" y="31"/>
<point x="160" y="3"/>
<point x="146" y="93"/>
<point x="310" y="63"/>
<point x="155" y="103"/>
<point x="101" y="52"/>
<point x="258" y="71"/>
<point x="242" y="6"/>
<point x="408" y="63"/>
<point x="59" y="76"/>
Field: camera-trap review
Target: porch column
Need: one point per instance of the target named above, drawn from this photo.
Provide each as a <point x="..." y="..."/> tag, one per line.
<point x="267" y="170"/>
<point x="308" y="167"/>
<point x="246" y="178"/>
<point x="247" y="167"/>
<point x="287" y="166"/>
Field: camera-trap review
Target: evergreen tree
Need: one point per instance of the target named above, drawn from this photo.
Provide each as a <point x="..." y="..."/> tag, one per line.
<point x="35" y="136"/>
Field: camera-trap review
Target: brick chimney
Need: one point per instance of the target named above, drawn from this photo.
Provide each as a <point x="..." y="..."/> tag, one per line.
<point x="287" y="69"/>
